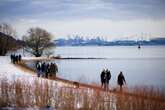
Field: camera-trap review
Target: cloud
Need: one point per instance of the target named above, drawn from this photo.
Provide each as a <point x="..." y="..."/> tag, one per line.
<point x="95" y="27"/>
<point x="29" y="20"/>
<point x="86" y="17"/>
<point x="64" y="9"/>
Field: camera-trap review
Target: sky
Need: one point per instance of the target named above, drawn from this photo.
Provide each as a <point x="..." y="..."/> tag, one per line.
<point x="110" y="19"/>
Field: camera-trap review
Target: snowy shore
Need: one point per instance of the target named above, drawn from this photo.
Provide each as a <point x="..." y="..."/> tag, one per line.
<point x="12" y="72"/>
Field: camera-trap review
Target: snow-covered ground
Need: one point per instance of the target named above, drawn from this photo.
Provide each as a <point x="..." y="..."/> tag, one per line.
<point x="9" y="70"/>
<point x="37" y="58"/>
<point x="12" y="72"/>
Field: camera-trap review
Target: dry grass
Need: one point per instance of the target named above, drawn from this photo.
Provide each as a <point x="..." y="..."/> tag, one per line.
<point x="42" y="93"/>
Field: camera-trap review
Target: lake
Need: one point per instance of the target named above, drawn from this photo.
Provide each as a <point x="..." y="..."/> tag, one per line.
<point x="145" y="66"/>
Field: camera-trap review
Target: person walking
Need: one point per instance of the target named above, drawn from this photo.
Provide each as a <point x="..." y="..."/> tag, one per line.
<point x="11" y="57"/>
<point x="19" y="58"/>
<point x="121" y="80"/>
<point x="43" y="67"/>
<point x="108" y="77"/>
<point x="55" y="69"/>
<point x="38" y="66"/>
<point x="102" y="76"/>
<point x="47" y="70"/>
<point x="14" y="59"/>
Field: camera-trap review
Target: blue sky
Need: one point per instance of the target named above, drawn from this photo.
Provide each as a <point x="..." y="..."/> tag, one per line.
<point x="111" y="19"/>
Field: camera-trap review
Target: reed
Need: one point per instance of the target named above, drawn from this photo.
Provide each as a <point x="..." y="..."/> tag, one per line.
<point x="43" y="93"/>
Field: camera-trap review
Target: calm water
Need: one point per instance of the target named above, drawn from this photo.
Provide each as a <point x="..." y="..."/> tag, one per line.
<point x="140" y="67"/>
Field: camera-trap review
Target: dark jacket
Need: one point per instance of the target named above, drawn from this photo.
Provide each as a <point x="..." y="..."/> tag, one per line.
<point x="102" y="76"/>
<point x="121" y="79"/>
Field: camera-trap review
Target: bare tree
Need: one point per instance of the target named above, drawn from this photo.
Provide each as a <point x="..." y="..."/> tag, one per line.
<point x="7" y="29"/>
<point x="7" y="41"/>
<point x="37" y="41"/>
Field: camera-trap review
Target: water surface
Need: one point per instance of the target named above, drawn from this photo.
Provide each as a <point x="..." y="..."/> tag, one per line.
<point x="145" y="66"/>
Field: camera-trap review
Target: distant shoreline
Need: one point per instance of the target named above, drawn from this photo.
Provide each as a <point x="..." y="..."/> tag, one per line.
<point x="57" y="58"/>
<point x="79" y="58"/>
<point x="78" y="41"/>
<point x="87" y="58"/>
<point x="107" y="45"/>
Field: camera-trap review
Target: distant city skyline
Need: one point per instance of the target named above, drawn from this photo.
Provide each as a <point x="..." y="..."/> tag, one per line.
<point x="110" y="19"/>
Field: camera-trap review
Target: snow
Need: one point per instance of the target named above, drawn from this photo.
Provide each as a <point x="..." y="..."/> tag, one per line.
<point x="8" y="69"/>
<point x="37" y="58"/>
<point x="12" y="72"/>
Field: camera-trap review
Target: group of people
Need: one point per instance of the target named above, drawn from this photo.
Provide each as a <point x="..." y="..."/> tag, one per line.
<point x="46" y="69"/>
<point x="106" y="76"/>
<point x="50" y="70"/>
<point x="15" y="58"/>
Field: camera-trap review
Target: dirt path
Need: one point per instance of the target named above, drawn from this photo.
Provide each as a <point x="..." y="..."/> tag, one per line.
<point x="23" y="67"/>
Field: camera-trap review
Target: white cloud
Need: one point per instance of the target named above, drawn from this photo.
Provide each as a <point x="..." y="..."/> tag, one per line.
<point x="110" y="29"/>
<point x="29" y="20"/>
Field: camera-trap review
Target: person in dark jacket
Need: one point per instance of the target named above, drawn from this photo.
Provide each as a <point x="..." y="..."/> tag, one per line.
<point x="19" y="58"/>
<point x="108" y="77"/>
<point x="38" y="67"/>
<point x="11" y="57"/>
<point x="121" y="80"/>
<point x="102" y="76"/>
<point x="52" y="70"/>
<point x="47" y="72"/>
<point x="14" y="58"/>
<point x="43" y="66"/>
<point x="55" y="70"/>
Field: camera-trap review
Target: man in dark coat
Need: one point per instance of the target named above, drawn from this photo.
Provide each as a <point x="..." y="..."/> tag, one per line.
<point x="121" y="80"/>
<point x="38" y="67"/>
<point x="19" y="58"/>
<point x="55" y="69"/>
<point x="43" y="66"/>
<point x="102" y="76"/>
<point x="108" y="77"/>
<point x="47" y="70"/>
<point x="14" y="58"/>
<point x="11" y="57"/>
<point x="51" y="69"/>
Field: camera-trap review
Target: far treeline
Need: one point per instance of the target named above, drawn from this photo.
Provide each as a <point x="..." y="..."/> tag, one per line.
<point x="36" y="41"/>
<point x="98" y="41"/>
